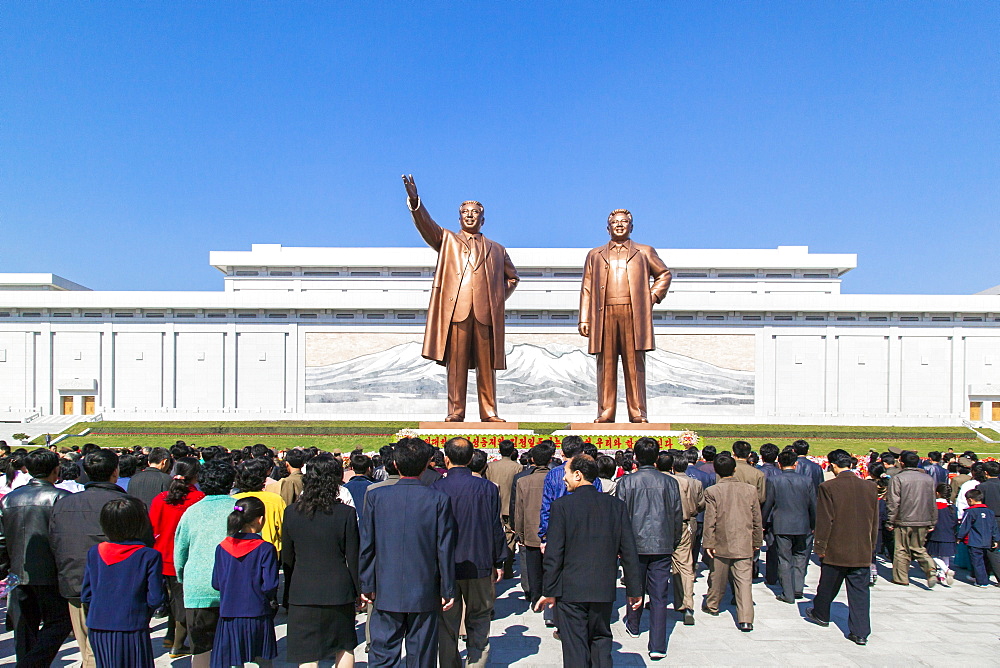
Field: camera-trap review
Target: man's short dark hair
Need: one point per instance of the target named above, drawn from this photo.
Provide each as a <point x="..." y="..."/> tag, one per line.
<point x="100" y="465"/>
<point x="769" y="453"/>
<point x="542" y="453"/>
<point x="974" y="496"/>
<point x="41" y="463"/>
<point x="410" y="457"/>
<point x="586" y="465"/>
<point x="787" y="459"/>
<point x="801" y="447"/>
<point x="665" y="461"/>
<point x="459" y="451"/>
<point x="385" y="452"/>
<point x="571" y="445"/>
<point x="646" y="450"/>
<point x="477" y="463"/>
<point x="681" y="461"/>
<point x="741" y="449"/>
<point x="692" y="455"/>
<point x="157" y="455"/>
<point x="910" y="459"/>
<point x="934" y="456"/>
<point x="840" y="459"/>
<point x="992" y="468"/>
<point x="507" y="449"/>
<point x="360" y="463"/>
<point x="725" y="465"/>
<point x="217" y="477"/>
<point x="296" y="458"/>
<point x="124" y="519"/>
<point x="708" y="453"/>
<point x="606" y="467"/>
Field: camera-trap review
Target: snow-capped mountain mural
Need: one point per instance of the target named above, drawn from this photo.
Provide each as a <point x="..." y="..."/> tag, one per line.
<point x="549" y="378"/>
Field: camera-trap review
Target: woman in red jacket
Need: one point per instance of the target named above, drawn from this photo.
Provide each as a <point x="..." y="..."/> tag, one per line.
<point x="165" y="513"/>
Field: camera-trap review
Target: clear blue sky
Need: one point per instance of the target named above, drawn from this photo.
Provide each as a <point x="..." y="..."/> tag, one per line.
<point x="136" y="137"/>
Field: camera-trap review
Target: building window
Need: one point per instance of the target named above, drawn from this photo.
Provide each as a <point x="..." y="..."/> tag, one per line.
<point x="815" y="275"/>
<point x="878" y="318"/>
<point x="246" y="272"/>
<point x="62" y="315"/>
<point x="683" y="317"/>
<point x="154" y="315"/>
<point x="909" y="318"/>
<point x="321" y="273"/>
<point x="529" y="316"/>
<point x="281" y="273"/>
<point x="568" y="274"/>
<point x="124" y="315"/>
<point x="345" y="316"/>
<point x="815" y="317"/>
<point x="972" y="319"/>
<point x="366" y="273"/>
<point x="215" y="315"/>
<point x="560" y="316"/>
<point x="784" y="317"/>
<point x="375" y="316"/>
<point x="184" y="315"/>
<point x="846" y="317"/>
<point x="752" y="317"/>
<point x="405" y="273"/>
<point x="531" y="274"/>
<point x="777" y="276"/>
<point x="246" y="315"/>
<point x="715" y="317"/>
<point x="277" y="315"/>
<point x="406" y="316"/>
<point x="309" y="315"/>
<point x="692" y="274"/>
<point x="735" y="275"/>
<point x="941" y="318"/>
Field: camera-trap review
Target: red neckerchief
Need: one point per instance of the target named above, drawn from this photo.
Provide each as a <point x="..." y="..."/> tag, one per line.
<point x="112" y="553"/>
<point x="942" y="504"/>
<point x="978" y="505"/>
<point x="240" y="547"/>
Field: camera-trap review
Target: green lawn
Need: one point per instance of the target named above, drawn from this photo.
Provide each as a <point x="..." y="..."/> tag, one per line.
<point x="345" y="435"/>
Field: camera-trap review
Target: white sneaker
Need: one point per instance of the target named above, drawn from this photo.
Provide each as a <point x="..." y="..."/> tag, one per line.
<point x="949" y="578"/>
<point x="656" y="656"/>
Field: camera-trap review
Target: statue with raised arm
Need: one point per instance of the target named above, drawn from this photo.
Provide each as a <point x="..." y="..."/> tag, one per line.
<point x="616" y="314"/>
<point x="465" y="318"/>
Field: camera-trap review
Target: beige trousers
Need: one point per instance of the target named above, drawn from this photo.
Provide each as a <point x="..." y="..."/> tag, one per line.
<point x="79" y="619"/>
<point x="683" y="569"/>
<point x="909" y="546"/>
<point x="741" y="571"/>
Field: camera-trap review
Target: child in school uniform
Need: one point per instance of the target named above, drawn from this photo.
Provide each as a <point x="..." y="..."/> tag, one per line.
<point x="246" y="576"/>
<point x="122" y="586"/>
<point x="979" y="531"/>
<point x="942" y="541"/>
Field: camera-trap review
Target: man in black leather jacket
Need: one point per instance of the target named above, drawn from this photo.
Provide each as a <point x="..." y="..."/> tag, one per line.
<point x="36" y="610"/>
<point x="653" y="502"/>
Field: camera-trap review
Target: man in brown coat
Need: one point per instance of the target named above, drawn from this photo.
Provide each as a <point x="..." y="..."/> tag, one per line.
<point x="501" y="472"/>
<point x="733" y="530"/>
<point x="692" y="503"/>
<point x="527" y="514"/>
<point x="616" y="314"/>
<point x="465" y="318"/>
<point x="746" y="472"/>
<point x="846" y="528"/>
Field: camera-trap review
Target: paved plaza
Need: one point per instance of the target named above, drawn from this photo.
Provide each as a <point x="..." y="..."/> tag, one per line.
<point x="912" y="626"/>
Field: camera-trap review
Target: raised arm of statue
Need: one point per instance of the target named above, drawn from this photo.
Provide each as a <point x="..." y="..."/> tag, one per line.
<point x="661" y="277"/>
<point x="511" y="279"/>
<point x="429" y="230"/>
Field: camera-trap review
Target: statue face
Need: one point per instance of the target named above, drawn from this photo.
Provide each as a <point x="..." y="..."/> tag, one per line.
<point x="471" y="217"/>
<point x="620" y="227"/>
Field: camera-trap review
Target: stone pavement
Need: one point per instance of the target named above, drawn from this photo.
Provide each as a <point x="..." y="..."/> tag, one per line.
<point x="911" y="627"/>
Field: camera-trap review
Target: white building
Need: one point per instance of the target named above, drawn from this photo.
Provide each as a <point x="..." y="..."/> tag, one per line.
<point x="334" y="333"/>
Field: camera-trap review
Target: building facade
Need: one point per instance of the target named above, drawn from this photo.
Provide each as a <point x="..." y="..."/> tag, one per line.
<point x="334" y="333"/>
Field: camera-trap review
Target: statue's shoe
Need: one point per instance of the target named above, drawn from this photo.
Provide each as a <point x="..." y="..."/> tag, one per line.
<point x="454" y="418"/>
<point x="494" y="418"/>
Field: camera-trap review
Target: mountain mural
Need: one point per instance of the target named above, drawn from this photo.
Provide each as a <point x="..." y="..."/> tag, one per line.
<point x="538" y="378"/>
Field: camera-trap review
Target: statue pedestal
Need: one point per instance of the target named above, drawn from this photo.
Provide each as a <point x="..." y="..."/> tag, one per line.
<point x="462" y="427"/>
<point x="624" y="427"/>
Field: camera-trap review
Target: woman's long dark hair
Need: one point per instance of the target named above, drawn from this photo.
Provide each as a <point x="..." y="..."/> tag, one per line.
<point x="185" y="476"/>
<point x="251" y="475"/>
<point x="320" y="485"/>
<point x="245" y="511"/>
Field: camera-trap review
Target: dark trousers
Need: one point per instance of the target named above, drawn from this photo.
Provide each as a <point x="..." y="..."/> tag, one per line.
<point x="977" y="557"/>
<point x="792" y="553"/>
<point x="41" y="623"/>
<point x="654" y="571"/>
<point x="770" y="560"/>
<point x="858" y="597"/>
<point x="585" y="632"/>
<point x="533" y="575"/>
<point x="696" y="554"/>
<point x="390" y="629"/>
<point x="177" y="619"/>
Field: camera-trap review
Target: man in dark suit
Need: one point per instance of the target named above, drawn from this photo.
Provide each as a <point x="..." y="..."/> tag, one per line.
<point x="806" y="466"/>
<point x="588" y="532"/>
<point x="155" y="478"/>
<point x="502" y="472"/>
<point x="789" y="516"/>
<point x="846" y="527"/>
<point x="991" y="497"/>
<point x="480" y="552"/>
<point x="407" y="561"/>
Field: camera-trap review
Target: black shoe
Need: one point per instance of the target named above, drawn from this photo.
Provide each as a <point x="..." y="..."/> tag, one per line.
<point x="785" y="599"/>
<point x="746" y="627"/>
<point x="549" y="624"/>
<point x="811" y="617"/>
<point x="799" y="594"/>
<point x="857" y="640"/>
<point x="689" y="617"/>
<point x="709" y="612"/>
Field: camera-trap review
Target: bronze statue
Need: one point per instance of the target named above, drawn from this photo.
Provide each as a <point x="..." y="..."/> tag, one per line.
<point x="616" y="314"/>
<point x="465" y="319"/>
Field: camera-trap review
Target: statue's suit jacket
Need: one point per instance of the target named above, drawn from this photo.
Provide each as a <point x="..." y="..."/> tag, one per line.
<point x="499" y="277"/>
<point x="643" y="262"/>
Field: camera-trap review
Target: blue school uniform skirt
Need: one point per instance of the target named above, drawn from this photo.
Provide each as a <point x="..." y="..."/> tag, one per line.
<point x="239" y="640"/>
<point x="113" y="649"/>
<point x="942" y="549"/>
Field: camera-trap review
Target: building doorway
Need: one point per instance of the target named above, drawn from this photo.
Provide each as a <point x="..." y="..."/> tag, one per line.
<point x="66" y="405"/>
<point x="88" y="405"/>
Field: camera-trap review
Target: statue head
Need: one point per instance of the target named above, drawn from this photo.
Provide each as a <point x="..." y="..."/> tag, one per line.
<point x="471" y="216"/>
<point x="620" y="225"/>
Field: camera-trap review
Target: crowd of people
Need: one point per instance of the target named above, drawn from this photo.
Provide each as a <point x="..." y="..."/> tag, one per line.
<point x="95" y="543"/>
